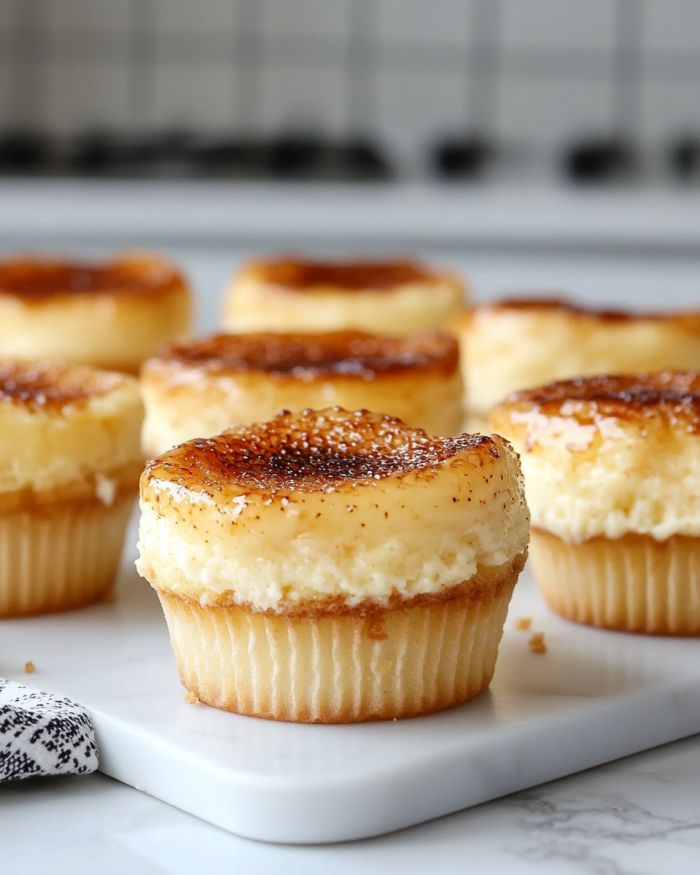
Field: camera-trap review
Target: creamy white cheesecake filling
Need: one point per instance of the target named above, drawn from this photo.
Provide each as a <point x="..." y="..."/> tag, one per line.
<point x="608" y="477"/>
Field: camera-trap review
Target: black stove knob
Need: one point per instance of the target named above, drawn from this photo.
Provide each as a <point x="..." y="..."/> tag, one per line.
<point x="684" y="157"/>
<point x="292" y="155"/>
<point x="24" y="151"/>
<point x="600" y="161"/>
<point x="465" y="157"/>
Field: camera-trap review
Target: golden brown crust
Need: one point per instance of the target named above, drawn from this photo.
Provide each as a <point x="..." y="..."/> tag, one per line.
<point x="312" y="451"/>
<point x="300" y="275"/>
<point x="36" y="280"/>
<point x="43" y="386"/>
<point x="671" y="397"/>
<point x="688" y="319"/>
<point x="307" y="357"/>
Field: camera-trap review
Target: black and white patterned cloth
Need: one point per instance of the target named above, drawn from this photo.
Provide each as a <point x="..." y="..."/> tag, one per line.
<point x="43" y="734"/>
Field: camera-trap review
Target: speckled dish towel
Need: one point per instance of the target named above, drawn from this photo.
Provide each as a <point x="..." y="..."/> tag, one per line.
<point x="43" y="734"/>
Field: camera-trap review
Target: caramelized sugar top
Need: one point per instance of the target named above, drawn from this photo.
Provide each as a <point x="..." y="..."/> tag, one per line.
<point x="670" y="396"/>
<point x="690" y="318"/>
<point x="34" y="278"/>
<point x="51" y="386"/>
<point x="312" y="451"/>
<point x="299" y="275"/>
<point x="310" y="356"/>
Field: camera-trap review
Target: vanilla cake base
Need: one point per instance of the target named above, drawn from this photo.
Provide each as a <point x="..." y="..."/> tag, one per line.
<point x="421" y="655"/>
<point x="633" y="583"/>
<point x="60" y="557"/>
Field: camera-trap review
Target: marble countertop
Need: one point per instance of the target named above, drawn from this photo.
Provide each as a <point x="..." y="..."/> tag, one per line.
<point x="638" y="816"/>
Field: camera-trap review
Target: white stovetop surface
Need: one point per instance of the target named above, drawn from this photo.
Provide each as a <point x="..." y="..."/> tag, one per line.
<point x="407" y="214"/>
<point x="639" y="816"/>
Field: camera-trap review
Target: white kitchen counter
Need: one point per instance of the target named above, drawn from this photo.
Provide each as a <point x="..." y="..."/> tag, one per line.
<point x="639" y="816"/>
<point x="405" y="215"/>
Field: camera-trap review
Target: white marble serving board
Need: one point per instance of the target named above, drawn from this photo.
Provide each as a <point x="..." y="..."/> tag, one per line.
<point x="593" y="697"/>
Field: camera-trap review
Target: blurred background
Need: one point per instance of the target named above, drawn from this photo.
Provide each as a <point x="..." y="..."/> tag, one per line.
<point x="537" y="144"/>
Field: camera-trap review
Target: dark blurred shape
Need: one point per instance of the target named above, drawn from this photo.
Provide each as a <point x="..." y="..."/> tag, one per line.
<point x="181" y="153"/>
<point x="24" y="151"/>
<point x="684" y="157"/>
<point x="174" y="153"/>
<point x="110" y="153"/>
<point x="311" y="157"/>
<point x="600" y="161"/>
<point x="170" y="154"/>
<point x="365" y="159"/>
<point x="292" y="155"/>
<point x="462" y="157"/>
<point x="231" y="157"/>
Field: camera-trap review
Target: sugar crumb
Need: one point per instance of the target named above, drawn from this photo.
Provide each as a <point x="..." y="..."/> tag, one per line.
<point x="29" y="667"/>
<point x="536" y="643"/>
<point x="190" y="698"/>
<point x="523" y="624"/>
<point x="105" y="489"/>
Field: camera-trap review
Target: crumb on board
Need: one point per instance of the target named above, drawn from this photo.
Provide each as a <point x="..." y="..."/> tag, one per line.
<point x="536" y="643"/>
<point x="523" y="623"/>
<point x="29" y="667"/>
<point x="190" y="697"/>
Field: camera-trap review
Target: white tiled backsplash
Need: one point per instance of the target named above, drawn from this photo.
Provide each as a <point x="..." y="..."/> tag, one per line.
<point x="539" y="72"/>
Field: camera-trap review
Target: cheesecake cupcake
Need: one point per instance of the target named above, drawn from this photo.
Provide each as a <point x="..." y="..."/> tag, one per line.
<point x="201" y="387"/>
<point x="612" y="476"/>
<point x="69" y="465"/>
<point x="332" y="566"/>
<point x="293" y="294"/>
<point x="112" y="314"/>
<point x="517" y="344"/>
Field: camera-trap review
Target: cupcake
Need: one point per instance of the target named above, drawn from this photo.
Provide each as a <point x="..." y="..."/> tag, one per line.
<point x="517" y="344"/>
<point x="288" y="294"/>
<point x="612" y="476"/>
<point x="202" y="387"/>
<point x="333" y="566"/>
<point x="68" y="478"/>
<point x="109" y="315"/>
